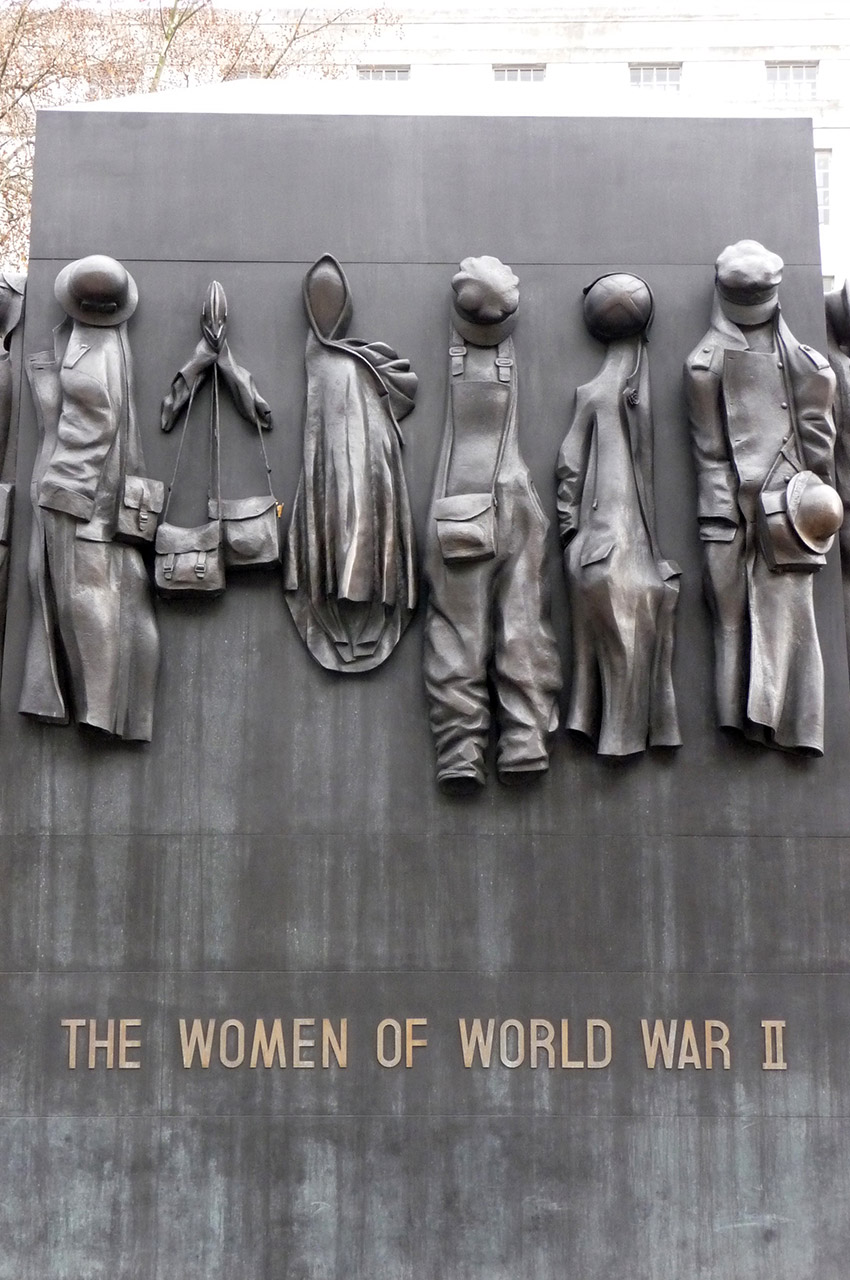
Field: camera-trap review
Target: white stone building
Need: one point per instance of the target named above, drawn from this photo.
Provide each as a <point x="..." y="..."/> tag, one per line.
<point x="641" y="58"/>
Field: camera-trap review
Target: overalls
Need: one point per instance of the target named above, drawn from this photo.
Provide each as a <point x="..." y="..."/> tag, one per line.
<point x="487" y="623"/>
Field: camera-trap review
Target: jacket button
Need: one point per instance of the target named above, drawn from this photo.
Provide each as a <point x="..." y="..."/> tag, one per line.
<point x="780" y="365"/>
<point x="784" y="404"/>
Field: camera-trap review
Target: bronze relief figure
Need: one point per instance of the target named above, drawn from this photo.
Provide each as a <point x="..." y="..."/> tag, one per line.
<point x="837" y="306"/>
<point x="623" y="593"/>
<point x="92" y="611"/>
<point x="350" y="558"/>
<point x="487" y="625"/>
<point x="760" y="408"/>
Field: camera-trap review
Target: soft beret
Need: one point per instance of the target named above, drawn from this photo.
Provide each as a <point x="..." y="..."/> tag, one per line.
<point x="747" y="272"/>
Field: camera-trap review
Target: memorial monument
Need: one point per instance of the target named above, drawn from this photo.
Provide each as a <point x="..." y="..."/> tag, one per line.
<point x="278" y="1002"/>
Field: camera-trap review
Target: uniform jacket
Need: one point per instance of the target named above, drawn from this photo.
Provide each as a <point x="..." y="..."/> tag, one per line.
<point x="97" y="440"/>
<point x="810" y="384"/>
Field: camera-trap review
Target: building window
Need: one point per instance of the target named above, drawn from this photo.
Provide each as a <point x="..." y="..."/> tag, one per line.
<point x="822" y="162"/>
<point x="520" y="72"/>
<point x="794" y="80"/>
<point x="663" y="76"/>
<point x="383" y="73"/>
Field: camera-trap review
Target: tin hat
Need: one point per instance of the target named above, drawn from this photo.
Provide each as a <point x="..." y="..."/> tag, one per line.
<point x="748" y="278"/>
<point x="486" y="301"/>
<point x="97" y="290"/>
<point x="814" y="509"/>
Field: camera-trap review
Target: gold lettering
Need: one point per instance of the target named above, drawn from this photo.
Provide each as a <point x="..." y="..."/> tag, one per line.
<point x="198" y="1041"/>
<point x="125" y="1063"/>
<point x="410" y="1044"/>
<point x="718" y="1043"/>
<point x="269" y="1048"/>
<point x="541" y="1035"/>
<point x="511" y="1024"/>
<point x="659" y="1039"/>
<point x="108" y="1044"/>
<point x="688" y="1051"/>
<point x="299" y="1042"/>
<point x="565" y="1047"/>
<point x="73" y="1025"/>
<point x="475" y="1040"/>
<point x="774" y="1045"/>
<point x="330" y="1043"/>
<point x="393" y="1058"/>
<point x="594" y="1025"/>
<point x="231" y="1024"/>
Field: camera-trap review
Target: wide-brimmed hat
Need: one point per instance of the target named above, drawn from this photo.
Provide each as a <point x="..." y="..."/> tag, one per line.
<point x="814" y="509"/>
<point x="486" y="301"/>
<point x="97" y="290"/>
<point x="748" y="278"/>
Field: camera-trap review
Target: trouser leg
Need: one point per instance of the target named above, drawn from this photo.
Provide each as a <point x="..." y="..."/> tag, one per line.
<point x="726" y="591"/>
<point x="139" y="651"/>
<point x="526" y="664"/>
<point x="458" y="640"/>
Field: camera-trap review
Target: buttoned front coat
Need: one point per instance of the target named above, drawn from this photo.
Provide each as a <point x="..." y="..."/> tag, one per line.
<point x="769" y="670"/>
<point x="89" y="592"/>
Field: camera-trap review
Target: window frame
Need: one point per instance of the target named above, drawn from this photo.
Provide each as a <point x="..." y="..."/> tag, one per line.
<point x="512" y="72"/>
<point x="654" y="85"/>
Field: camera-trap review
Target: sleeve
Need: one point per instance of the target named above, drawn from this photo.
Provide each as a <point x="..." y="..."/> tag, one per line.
<point x="717" y="506"/>
<point x="815" y="423"/>
<point x="572" y="467"/>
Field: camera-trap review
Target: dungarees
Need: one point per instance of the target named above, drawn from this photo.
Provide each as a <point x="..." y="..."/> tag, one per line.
<point x="488" y="610"/>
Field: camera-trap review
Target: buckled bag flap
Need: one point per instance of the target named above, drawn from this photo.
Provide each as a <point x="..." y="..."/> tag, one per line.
<point x="189" y="561"/>
<point x="783" y="550"/>
<point x="466" y="527"/>
<point x="142" y="501"/>
<point x="174" y="537"/>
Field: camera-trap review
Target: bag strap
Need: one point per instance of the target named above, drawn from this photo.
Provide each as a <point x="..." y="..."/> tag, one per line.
<point x="792" y="404"/>
<point x="265" y="458"/>
<point x="505" y="366"/>
<point x="180" y="449"/>
<point x="215" y="445"/>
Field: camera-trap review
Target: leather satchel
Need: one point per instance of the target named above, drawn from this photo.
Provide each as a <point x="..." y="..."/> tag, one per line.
<point x="189" y="561"/>
<point x="250" y="529"/>
<point x="466" y="527"/>
<point x="142" y="500"/>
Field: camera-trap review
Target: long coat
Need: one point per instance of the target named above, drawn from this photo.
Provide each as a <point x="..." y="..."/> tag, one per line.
<point x="350" y="558"/>
<point x="623" y="593"/>
<point x="90" y="595"/>
<point x="768" y="665"/>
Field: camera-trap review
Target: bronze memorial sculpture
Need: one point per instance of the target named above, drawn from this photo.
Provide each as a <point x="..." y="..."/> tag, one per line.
<point x="90" y="592"/>
<point x="350" y="560"/>
<point x="12" y="287"/>
<point x="488" y="610"/>
<point x="623" y="593"/>
<point x="239" y="532"/>
<point x="760" y="406"/>
<point x="837" y="304"/>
